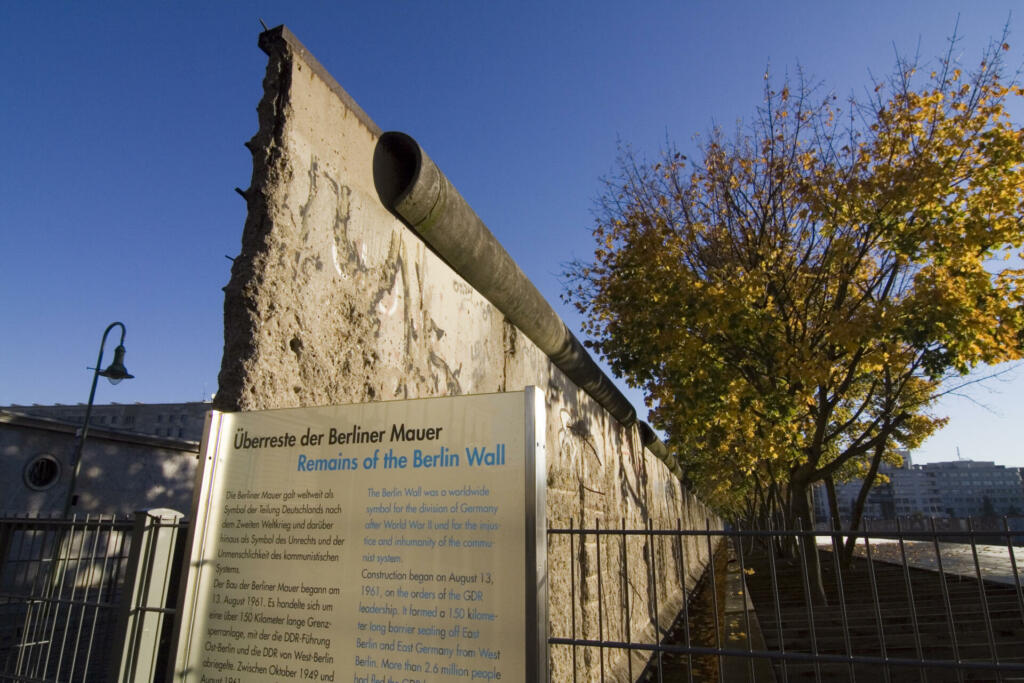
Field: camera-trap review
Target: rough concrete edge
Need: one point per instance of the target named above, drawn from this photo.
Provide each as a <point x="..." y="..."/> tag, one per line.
<point x="239" y="347"/>
<point x="281" y="36"/>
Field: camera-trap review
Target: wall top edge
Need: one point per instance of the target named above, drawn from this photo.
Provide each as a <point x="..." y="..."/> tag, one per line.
<point x="280" y="39"/>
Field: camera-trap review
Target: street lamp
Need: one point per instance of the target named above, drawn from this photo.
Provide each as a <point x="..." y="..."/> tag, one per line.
<point x="114" y="373"/>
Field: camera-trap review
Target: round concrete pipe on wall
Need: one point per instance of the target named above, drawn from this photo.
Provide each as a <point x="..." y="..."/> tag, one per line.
<point x="655" y="445"/>
<point x="412" y="186"/>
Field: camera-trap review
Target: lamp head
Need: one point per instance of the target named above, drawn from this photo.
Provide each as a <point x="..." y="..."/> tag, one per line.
<point x="116" y="371"/>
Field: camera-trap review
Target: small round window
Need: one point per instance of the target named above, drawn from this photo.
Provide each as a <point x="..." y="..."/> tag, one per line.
<point x="42" y="472"/>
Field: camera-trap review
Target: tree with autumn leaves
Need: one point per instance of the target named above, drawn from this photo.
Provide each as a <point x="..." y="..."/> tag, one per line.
<point x="795" y="298"/>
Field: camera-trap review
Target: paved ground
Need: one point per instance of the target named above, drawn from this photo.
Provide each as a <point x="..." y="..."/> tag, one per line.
<point x="925" y="627"/>
<point x="920" y="623"/>
<point x="742" y="632"/>
<point x="994" y="563"/>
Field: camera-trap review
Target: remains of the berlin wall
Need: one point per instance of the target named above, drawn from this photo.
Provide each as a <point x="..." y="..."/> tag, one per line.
<point x="334" y="299"/>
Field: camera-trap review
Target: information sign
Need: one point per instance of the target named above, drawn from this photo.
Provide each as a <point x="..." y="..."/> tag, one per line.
<point x="375" y="543"/>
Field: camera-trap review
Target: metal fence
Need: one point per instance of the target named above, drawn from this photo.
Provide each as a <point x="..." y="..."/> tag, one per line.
<point x="925" y="605"/>
<point x="92" y="599"/>
<point x="86" y="599"/>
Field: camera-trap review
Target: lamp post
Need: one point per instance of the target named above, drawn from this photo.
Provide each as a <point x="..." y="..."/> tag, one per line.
<point x="115" y="372"/>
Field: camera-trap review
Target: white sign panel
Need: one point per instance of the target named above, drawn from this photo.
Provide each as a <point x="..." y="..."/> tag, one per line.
<point x="373" y="543"/>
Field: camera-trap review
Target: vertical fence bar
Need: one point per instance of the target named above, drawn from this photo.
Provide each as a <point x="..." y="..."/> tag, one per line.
<point x="775" y="598"/>
<point x="95" y="565"/>
<point x="746" y="596"/>
<point x="572" y="586"/>
<point x="652" y="589"/>
<point x="34" y="611"/>
<point x="1013" y="567"/>
<point x="26" y="619"/>
<point x="88" y="563"/>
<point x="875" y="602"/>
<point x="8" y="574"/>
<point x="628" y="618"/>
<point x="54" y="590"/>
<point x="6" y="538"/>
<point x="946" y="601"/>
<point x="910" y="599"/>
<point x="113" y="571"/>
<point x="660" y="550"/>
<point x="550" y="538"/>
<point x="600" y="596"/>
<point x="808" y="597"/>
<point x="95" y="576"/>
<point x="714" y="598"/>
<point x="33" y="605"/>
<point x="983" y="597"/>
<point x="837" y="567"/>
<point x="7" y="532"/>
<point x="71" y="535"/>
<point x="686" y="608"/>
<point x="79" y="561"/>
<point x="70" y="567"/>
<point x="18" y="529"/>
<point x="110" y="573"/>
<point x="38" y="637"/>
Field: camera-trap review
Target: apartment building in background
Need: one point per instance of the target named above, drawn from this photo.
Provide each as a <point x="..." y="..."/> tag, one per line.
<point x="955" y="489"/>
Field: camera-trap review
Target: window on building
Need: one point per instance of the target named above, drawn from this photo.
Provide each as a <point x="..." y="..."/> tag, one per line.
<point x="42" y="472"/>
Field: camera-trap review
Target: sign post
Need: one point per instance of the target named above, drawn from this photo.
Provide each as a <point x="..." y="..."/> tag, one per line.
<point x="371" y="543"/>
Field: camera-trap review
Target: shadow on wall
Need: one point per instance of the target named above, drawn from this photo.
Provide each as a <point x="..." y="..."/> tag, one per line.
<point x="120" y="472"/>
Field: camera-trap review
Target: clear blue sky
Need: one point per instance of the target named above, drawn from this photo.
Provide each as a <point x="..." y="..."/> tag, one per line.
<point x="124" y="124"/>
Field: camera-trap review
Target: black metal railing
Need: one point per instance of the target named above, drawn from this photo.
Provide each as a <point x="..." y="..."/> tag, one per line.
<point x="789" y="605"/>
<point x="65" y="591"/>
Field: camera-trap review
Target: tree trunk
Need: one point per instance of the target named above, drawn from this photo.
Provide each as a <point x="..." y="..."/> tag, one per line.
<point x="783" y="518"/>
<point x="833" y="504"/>
<point x="858" y="506"/>
<point x="804" y="514"/>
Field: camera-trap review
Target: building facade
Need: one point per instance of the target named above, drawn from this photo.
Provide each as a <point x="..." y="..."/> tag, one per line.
<point x="972" y="489"/>
<point x="121" y="472"/>
<point x="956" y="489"/>
<point x="173" y="420"/>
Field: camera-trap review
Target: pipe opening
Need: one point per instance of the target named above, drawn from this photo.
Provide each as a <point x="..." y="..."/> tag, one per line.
<point x="396" y="166"/>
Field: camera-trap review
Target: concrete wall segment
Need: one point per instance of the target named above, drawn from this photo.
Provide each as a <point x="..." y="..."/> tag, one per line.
<point x="334" y="300"/>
